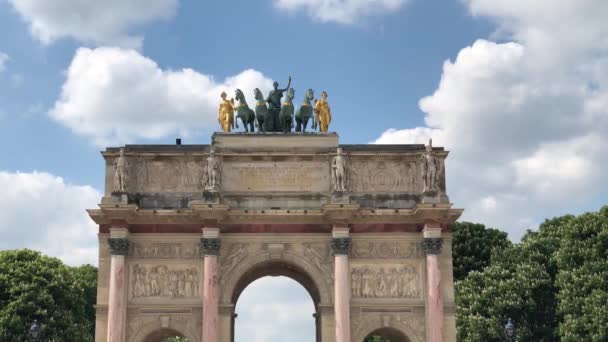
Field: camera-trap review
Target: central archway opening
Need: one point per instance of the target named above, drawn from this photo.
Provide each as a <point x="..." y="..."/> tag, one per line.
<point x="386" y="335"/>
<point x="275" y="301"/>
<point x="165" y="335"/>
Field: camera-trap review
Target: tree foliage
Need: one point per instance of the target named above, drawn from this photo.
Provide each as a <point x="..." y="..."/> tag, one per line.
<point x="473" y="245"/>
<point x="552" y="284"/>
<point x="61" y="298"/>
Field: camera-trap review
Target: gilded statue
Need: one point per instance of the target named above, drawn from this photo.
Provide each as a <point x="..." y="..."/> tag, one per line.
<point x="226" y="113"/>
<point x="323" y="113"/>
<point x="274" y="107"/>
<point x="120" y="172"/>
<point x="430" y="169"/>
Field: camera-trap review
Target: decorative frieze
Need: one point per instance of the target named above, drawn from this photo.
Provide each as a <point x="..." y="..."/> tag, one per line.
<point x="210" y="246"/>
<point x="432" y="245"/>
<point x="373" y="281"/>
<point x="118" y="246"/>
<point x="164" y="281"/>
<point x="341" y="246"/>
<point x="158" y="250"/>
<point x="386" y="250"/>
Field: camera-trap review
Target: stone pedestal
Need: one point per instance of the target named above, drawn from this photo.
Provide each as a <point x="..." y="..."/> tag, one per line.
<point x="119" y="247"/>
<point x="341" y="246"/>
<point x="434" y="310"/>
<point x="210" y="247"/>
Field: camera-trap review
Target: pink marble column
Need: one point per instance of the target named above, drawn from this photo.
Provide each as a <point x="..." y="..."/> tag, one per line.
<point x="210" y="292"/>
<point x="432" y="248"/>
<point x="341" y="249"/>
<point x="119" y="248"/>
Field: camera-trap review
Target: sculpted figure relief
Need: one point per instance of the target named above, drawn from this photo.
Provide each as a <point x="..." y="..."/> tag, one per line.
<point x="430" y="169"/>
<point x="338" y="171"/>
<point x="323" y="113"/>
<point x="274" y="106"/>
<point x="211" y="172"/>
<point x="385" y="282"/>
<point x="226" y="113"/>
<point x="316" y="258"/>
<point x="120" y="172"/>
<point x="238" y="253"/>
<point x="160" y="281"/>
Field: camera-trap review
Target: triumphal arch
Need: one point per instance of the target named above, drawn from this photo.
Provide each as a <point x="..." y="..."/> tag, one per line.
<point x="366" y="229"/>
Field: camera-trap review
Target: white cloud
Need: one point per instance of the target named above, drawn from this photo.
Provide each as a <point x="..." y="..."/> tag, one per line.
<point x="41" y="211"/>
<point x="526" y="120"/>
<point x="3" y="59"/>
<point x="340" y="11"/>
<point x="99" y="22"/>
<point x="116" y="96"/>
<point x="271" y="308"/>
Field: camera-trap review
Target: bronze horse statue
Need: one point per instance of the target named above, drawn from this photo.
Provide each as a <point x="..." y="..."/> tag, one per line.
<point x="286" y="114"/>
<point x="243" y="112"/>
<point x="261" y="110"/>
<point x="305" y="112"/>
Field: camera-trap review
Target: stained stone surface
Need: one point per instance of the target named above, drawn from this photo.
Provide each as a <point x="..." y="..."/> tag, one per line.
<point x="274" y="209"/>
<point x="273" y="170"/>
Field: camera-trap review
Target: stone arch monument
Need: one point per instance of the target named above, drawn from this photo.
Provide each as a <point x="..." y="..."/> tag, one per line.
<point x="366" y="229"/>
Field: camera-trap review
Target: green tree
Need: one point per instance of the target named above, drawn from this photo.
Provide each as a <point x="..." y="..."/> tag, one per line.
<point x="583" y="277"/>
<point x="61" y="298"/>
<point x="553" y="284"/>
<point x="473" y="245"/>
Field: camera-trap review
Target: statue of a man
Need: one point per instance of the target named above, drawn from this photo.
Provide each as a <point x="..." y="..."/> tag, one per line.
<point x="211" y="172"/>
<point x="338" y="171"/>
<point x="120" y="172"/>
<point x="430" y="168"/>
<point x="274" y="106"/>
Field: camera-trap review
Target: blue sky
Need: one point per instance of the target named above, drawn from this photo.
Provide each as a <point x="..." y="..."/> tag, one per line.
<point x="518" y="96"/>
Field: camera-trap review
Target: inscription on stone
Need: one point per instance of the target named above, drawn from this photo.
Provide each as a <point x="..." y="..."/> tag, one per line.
<point x="372" y="281"/>
<point x="279" y="176"/>
<point x="163" y="281"/>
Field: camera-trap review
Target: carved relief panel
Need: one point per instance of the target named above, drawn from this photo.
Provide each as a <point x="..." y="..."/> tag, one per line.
<point x="383" y="175"/>
<point x="164" y="281"/>
<point x="400" y="281"/>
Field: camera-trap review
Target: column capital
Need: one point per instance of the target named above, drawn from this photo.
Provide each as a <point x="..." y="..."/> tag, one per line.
<point x="118" y="246"/>
<point x="341" y="246"/>
<point x="432" y="245"/>
<point x="210" y="246"/>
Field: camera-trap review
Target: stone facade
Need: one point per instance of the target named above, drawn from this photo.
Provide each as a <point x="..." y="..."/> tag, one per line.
<point x="274" y="211"/>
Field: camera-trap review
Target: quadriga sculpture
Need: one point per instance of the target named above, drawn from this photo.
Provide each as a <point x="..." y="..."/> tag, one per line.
<point x="261" y="110"/>
<point x="243" y="112"/>
<point x="286" y="114"/>
<point x="305" y="112"/>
